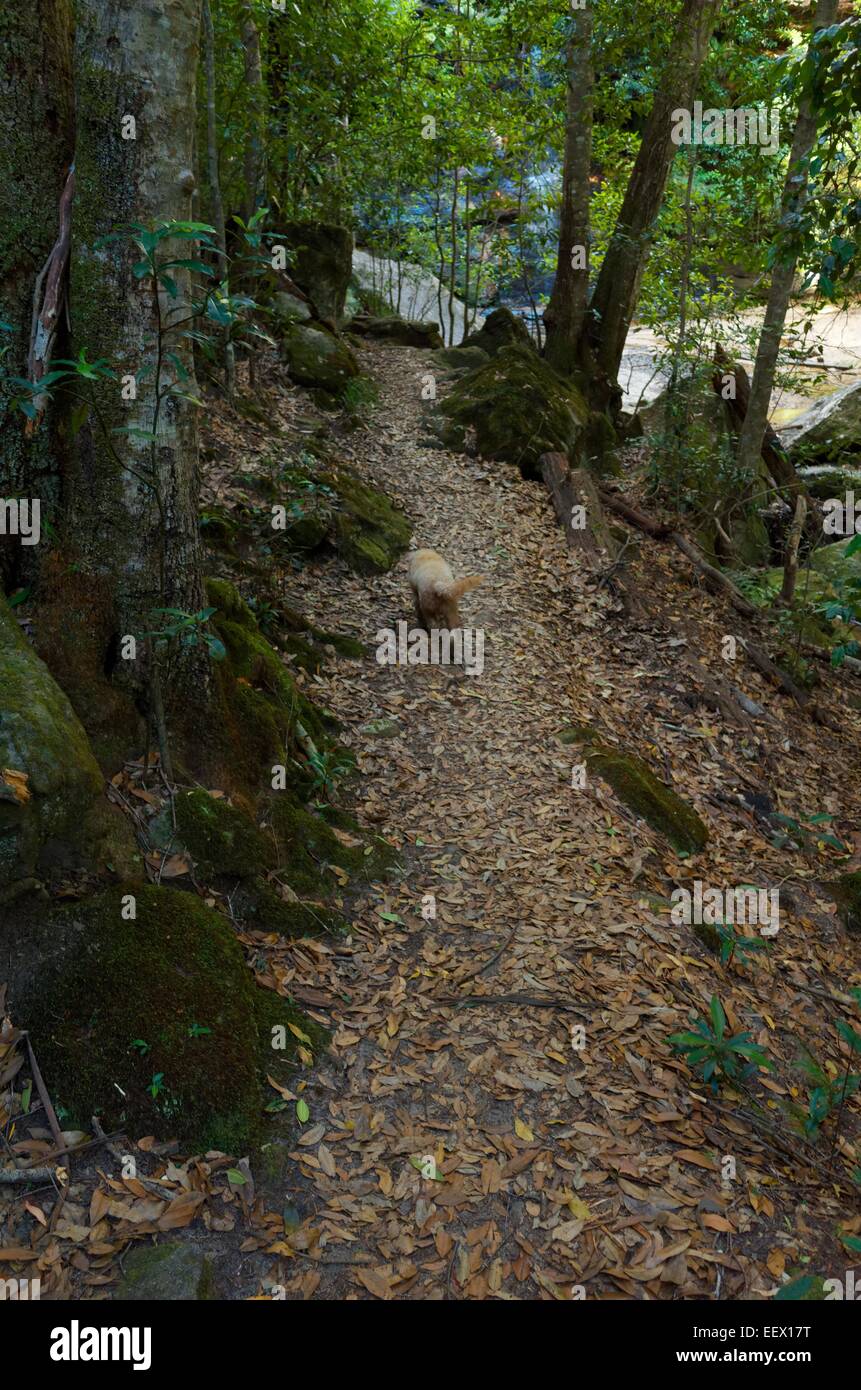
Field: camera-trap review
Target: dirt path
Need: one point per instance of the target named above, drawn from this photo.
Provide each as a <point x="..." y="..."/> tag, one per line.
<point x="560" y="1161"/>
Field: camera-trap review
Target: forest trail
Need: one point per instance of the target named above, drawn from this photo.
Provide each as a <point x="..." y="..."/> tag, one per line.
<point x="477" y="782"/>
<point x="555" y="1162"/>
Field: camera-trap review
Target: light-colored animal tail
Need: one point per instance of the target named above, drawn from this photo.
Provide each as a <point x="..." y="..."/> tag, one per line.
<point x="463" y="586"/>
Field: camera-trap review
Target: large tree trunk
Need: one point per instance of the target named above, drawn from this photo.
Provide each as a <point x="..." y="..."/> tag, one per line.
<point x="567" y="308"/>
<point x="36" y="153"/>
<point x="618" y="286"/>
<point x="131" y="509"/>
<point x="782" y="276"/>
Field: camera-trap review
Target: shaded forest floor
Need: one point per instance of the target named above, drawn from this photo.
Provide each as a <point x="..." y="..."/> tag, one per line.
<point x="555" y="1165"/>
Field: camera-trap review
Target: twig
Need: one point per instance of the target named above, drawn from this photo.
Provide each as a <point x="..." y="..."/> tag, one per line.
<point x="45" y="1099"/>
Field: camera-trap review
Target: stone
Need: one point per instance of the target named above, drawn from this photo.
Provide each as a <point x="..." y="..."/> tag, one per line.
<point x="316" y="357"/>
<point x="322" y="261"/>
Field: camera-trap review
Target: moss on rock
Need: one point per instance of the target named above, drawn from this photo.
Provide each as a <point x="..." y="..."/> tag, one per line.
<point x="642" y="792"/>
<point x="262" y="908"/>
<point x="219" y="837"/>
<point x="519" y="408"/>
<point x="171" y="1271"/>
<point x="315" y="357"/>
<point x="52" y="814"/>
<point x="846" y="892"/>
<point x="370" y="531"/>
<point x="117" y="1015"/>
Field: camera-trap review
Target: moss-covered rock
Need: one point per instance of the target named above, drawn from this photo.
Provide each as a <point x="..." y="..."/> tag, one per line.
<point x="461" y="359"/>
<point x="391" y="328"/>
<point x="118" y="1015"/>
<point x="642" y="792"/>
<point x="500" y="329"/>
<point x="220" y="838"/>
<point x="308" y="845"/>
<point x="52" y="813"/>
<point x="322" y="264"/>
<point x="262" y="908"/>
<point x="170" y="1272"/>
<point x="846" y="892"/>
<point x="519" y="408"/>
<point x="371" y="533"/>
<point x="824" y="481"/>
<point x="315" y="357"/>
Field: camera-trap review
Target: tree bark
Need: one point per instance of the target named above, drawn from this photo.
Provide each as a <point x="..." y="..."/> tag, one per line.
<point x="618" y="285"/>
<point x="782" y="276"/>
<point x="566" y="311"/>
<point x="132" y="525"/>
<point x="255" y="144"/>
<point x="214" y="177"/>
<point x="36" y="152"/>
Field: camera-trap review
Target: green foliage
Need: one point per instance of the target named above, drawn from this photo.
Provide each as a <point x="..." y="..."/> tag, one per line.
<point x="720" y="1058"/>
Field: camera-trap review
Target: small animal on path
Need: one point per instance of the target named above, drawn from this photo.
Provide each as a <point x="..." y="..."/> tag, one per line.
<point x="436" y="590"/>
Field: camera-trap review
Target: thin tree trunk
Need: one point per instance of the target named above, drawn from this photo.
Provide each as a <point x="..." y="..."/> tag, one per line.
<point x="618" y="285"/>
<point x="565" y="313"/>
<point x="255" y="144"/>
<point x="215" y="183"/>
<point x="782" y="275"/>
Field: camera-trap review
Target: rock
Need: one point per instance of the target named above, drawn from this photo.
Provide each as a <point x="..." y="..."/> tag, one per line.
<point x="288" y="308"/>
<point x="461" y="358"/>
<point x="846" y="892"/>
<point x="52" y="811"/>
<point x="315" y="357"/>
<point x="500" y="329"/>
<point x="322" y="265"/>
<point x="159" y="978"/>
<point x="829" y="430"/>
<point x="220" y="838"/>
<point x="392" y="329"/>
<point x="519" y="408"/>
<point x="637" y="786"/>
<point x="370" y="531"/>
<point x="824" y="481"/>
<point x="408" y="289"/>
<point x="170" y="1272"/>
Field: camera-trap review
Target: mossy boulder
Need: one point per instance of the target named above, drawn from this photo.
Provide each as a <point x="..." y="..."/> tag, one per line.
<point x="846" y="892"/>
<point x="500" y="329"/>
<point x="322" y="265"/>
<point x="220" y="838"/>
<point x="829" y="431"/>
<point x="260" y="707"/>
<point x="642" y="792"/>
<point x="519" y="408"/>
<point x="118" y="1014"/>
<point x="391" y="328"/>
<point x="315" y="357"/>
<point x="461" y="359"/>
<point x="371" y="533"/>
<point x="824" y="481"/>
<point x="287" y="309"/>
<point x="52" y="812"/>
<point x="170" y="1272"/>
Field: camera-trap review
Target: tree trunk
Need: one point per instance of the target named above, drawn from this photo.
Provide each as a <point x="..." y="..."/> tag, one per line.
<point x="215" y="183"/>
<point x="36" y="154"/>
<point x="566" y="311"/>
<point x="132" y="525"/>
<point x="255" y="141"/>
<point x="782" y="275"/>
<point x="618" y="286"/>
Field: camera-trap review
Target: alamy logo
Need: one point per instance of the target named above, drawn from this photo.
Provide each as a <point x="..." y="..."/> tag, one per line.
<point x="727" y="906"/>
<point x="746" y="125"/>
<point x="20" y="1290"/>
<point x="460" y="646"/>
<point x="19" y="516"/>
<point x="841" y="517"/>
<point x="78" y="1343"/>
<point x="845" y="1288"/>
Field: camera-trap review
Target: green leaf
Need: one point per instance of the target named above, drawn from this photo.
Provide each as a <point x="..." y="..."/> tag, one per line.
<point x="303" y="1114"/>
<point x="718" y="1017"/>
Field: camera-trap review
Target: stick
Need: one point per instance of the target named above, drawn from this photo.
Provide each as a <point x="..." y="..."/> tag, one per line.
<point x="45" y="1099"/>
